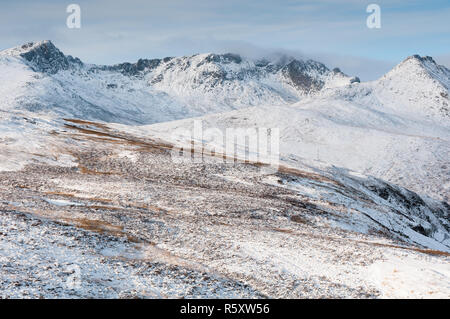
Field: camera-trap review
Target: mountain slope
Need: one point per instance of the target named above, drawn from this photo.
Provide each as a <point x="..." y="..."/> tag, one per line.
<point x="136" y="224"/>
<point x="330" y="132"/>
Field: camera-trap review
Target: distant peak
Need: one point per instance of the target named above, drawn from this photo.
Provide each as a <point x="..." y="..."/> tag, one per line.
<point x="425" y="65"/>
<point x="224" y="58"/>
<point x="420" y="58"/>
<point x="416" y="64"/>
<point x="43" y="56"/>
<point x="39" y="44"/>
<point x="30" y="46"/>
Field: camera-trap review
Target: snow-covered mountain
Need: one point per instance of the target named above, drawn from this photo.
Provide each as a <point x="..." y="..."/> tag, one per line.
<point x="40" y="77"/>
<point x="418" y="87"/>
<point x="87" y="177"/>
<point x="395" y="128"/>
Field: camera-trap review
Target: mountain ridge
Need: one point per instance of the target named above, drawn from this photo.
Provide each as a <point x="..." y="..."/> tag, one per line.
<point x="156" y="90"/>
<point x="42" y="54"/>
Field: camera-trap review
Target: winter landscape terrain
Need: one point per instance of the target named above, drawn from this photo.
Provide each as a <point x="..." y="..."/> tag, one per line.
<point x="93" y="204"/>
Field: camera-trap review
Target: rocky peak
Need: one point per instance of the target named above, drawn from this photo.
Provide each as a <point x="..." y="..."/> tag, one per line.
<point x="226" y="58"/>
<point x="307" y="76"/>
<point x="44" y="56"/>
<point x="422" y="67"/>
<point x="424" y="62"/>
<point x="134" y="69"/>
<point x="418" y="58"/>
<point x="202" y="72"/>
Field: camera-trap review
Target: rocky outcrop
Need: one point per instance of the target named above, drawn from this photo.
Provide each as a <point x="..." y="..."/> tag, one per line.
<point x="45" y="57"/>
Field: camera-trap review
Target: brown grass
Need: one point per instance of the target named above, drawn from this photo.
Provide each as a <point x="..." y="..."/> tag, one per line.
<point x="148" y="145"/>
<point x="82" y="122"/>
<point x="307" y="175"/>
<point x="70" y="195"/>
<point x="298" y="219"/>
<point x="87" y="171"/>
<point x="420" y="250"/>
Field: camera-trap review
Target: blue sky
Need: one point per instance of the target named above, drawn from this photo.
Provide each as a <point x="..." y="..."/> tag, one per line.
<point x="333" y="32"/>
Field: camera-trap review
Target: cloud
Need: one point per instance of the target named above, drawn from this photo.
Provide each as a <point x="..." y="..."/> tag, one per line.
<point x="366" y="69"/>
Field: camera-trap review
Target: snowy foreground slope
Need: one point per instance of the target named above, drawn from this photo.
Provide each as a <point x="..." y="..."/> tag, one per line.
<point x="396" y="128"/>
<point x="407" y="151"/>
<point x="125" y="220"/>
<point x="358" y="206"/>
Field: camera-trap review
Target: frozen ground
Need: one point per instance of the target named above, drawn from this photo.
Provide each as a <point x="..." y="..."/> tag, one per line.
<point x="124" y="221"/>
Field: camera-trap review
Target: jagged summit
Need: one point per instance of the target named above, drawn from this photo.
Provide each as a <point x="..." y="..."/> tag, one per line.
<point x="420" y="58"/>
<point x="27" y="47"/>
<point x="416" y="87"/>
<point x="43" y="56"/>
<point x="176" y="87"/>
<point x="420" y="84"/>
<point x="198" y="72"/>
<point x="154" y="90"/>
<point x="424" y="66"/>
<point x="211" y="70"/>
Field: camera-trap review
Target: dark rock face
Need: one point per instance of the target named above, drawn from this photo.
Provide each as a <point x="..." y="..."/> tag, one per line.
<point x="157" y="79"/>
<point x="419" y="229"/>
<point x="224" y="58"/>
<point x="409" y="200"/>
<point x="355" y="80"/>
<point x="414" y="204"/>
<point x="300" y="73"/>
<point x="262" y="63"/>
<point x="422" y="59"/>
<point x="46" y="58"/>
<point x="134" y="69"/>
<point x="304" y="75"/>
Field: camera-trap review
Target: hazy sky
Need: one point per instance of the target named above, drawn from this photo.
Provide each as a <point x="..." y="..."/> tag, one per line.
<point x="333" y="32"/>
